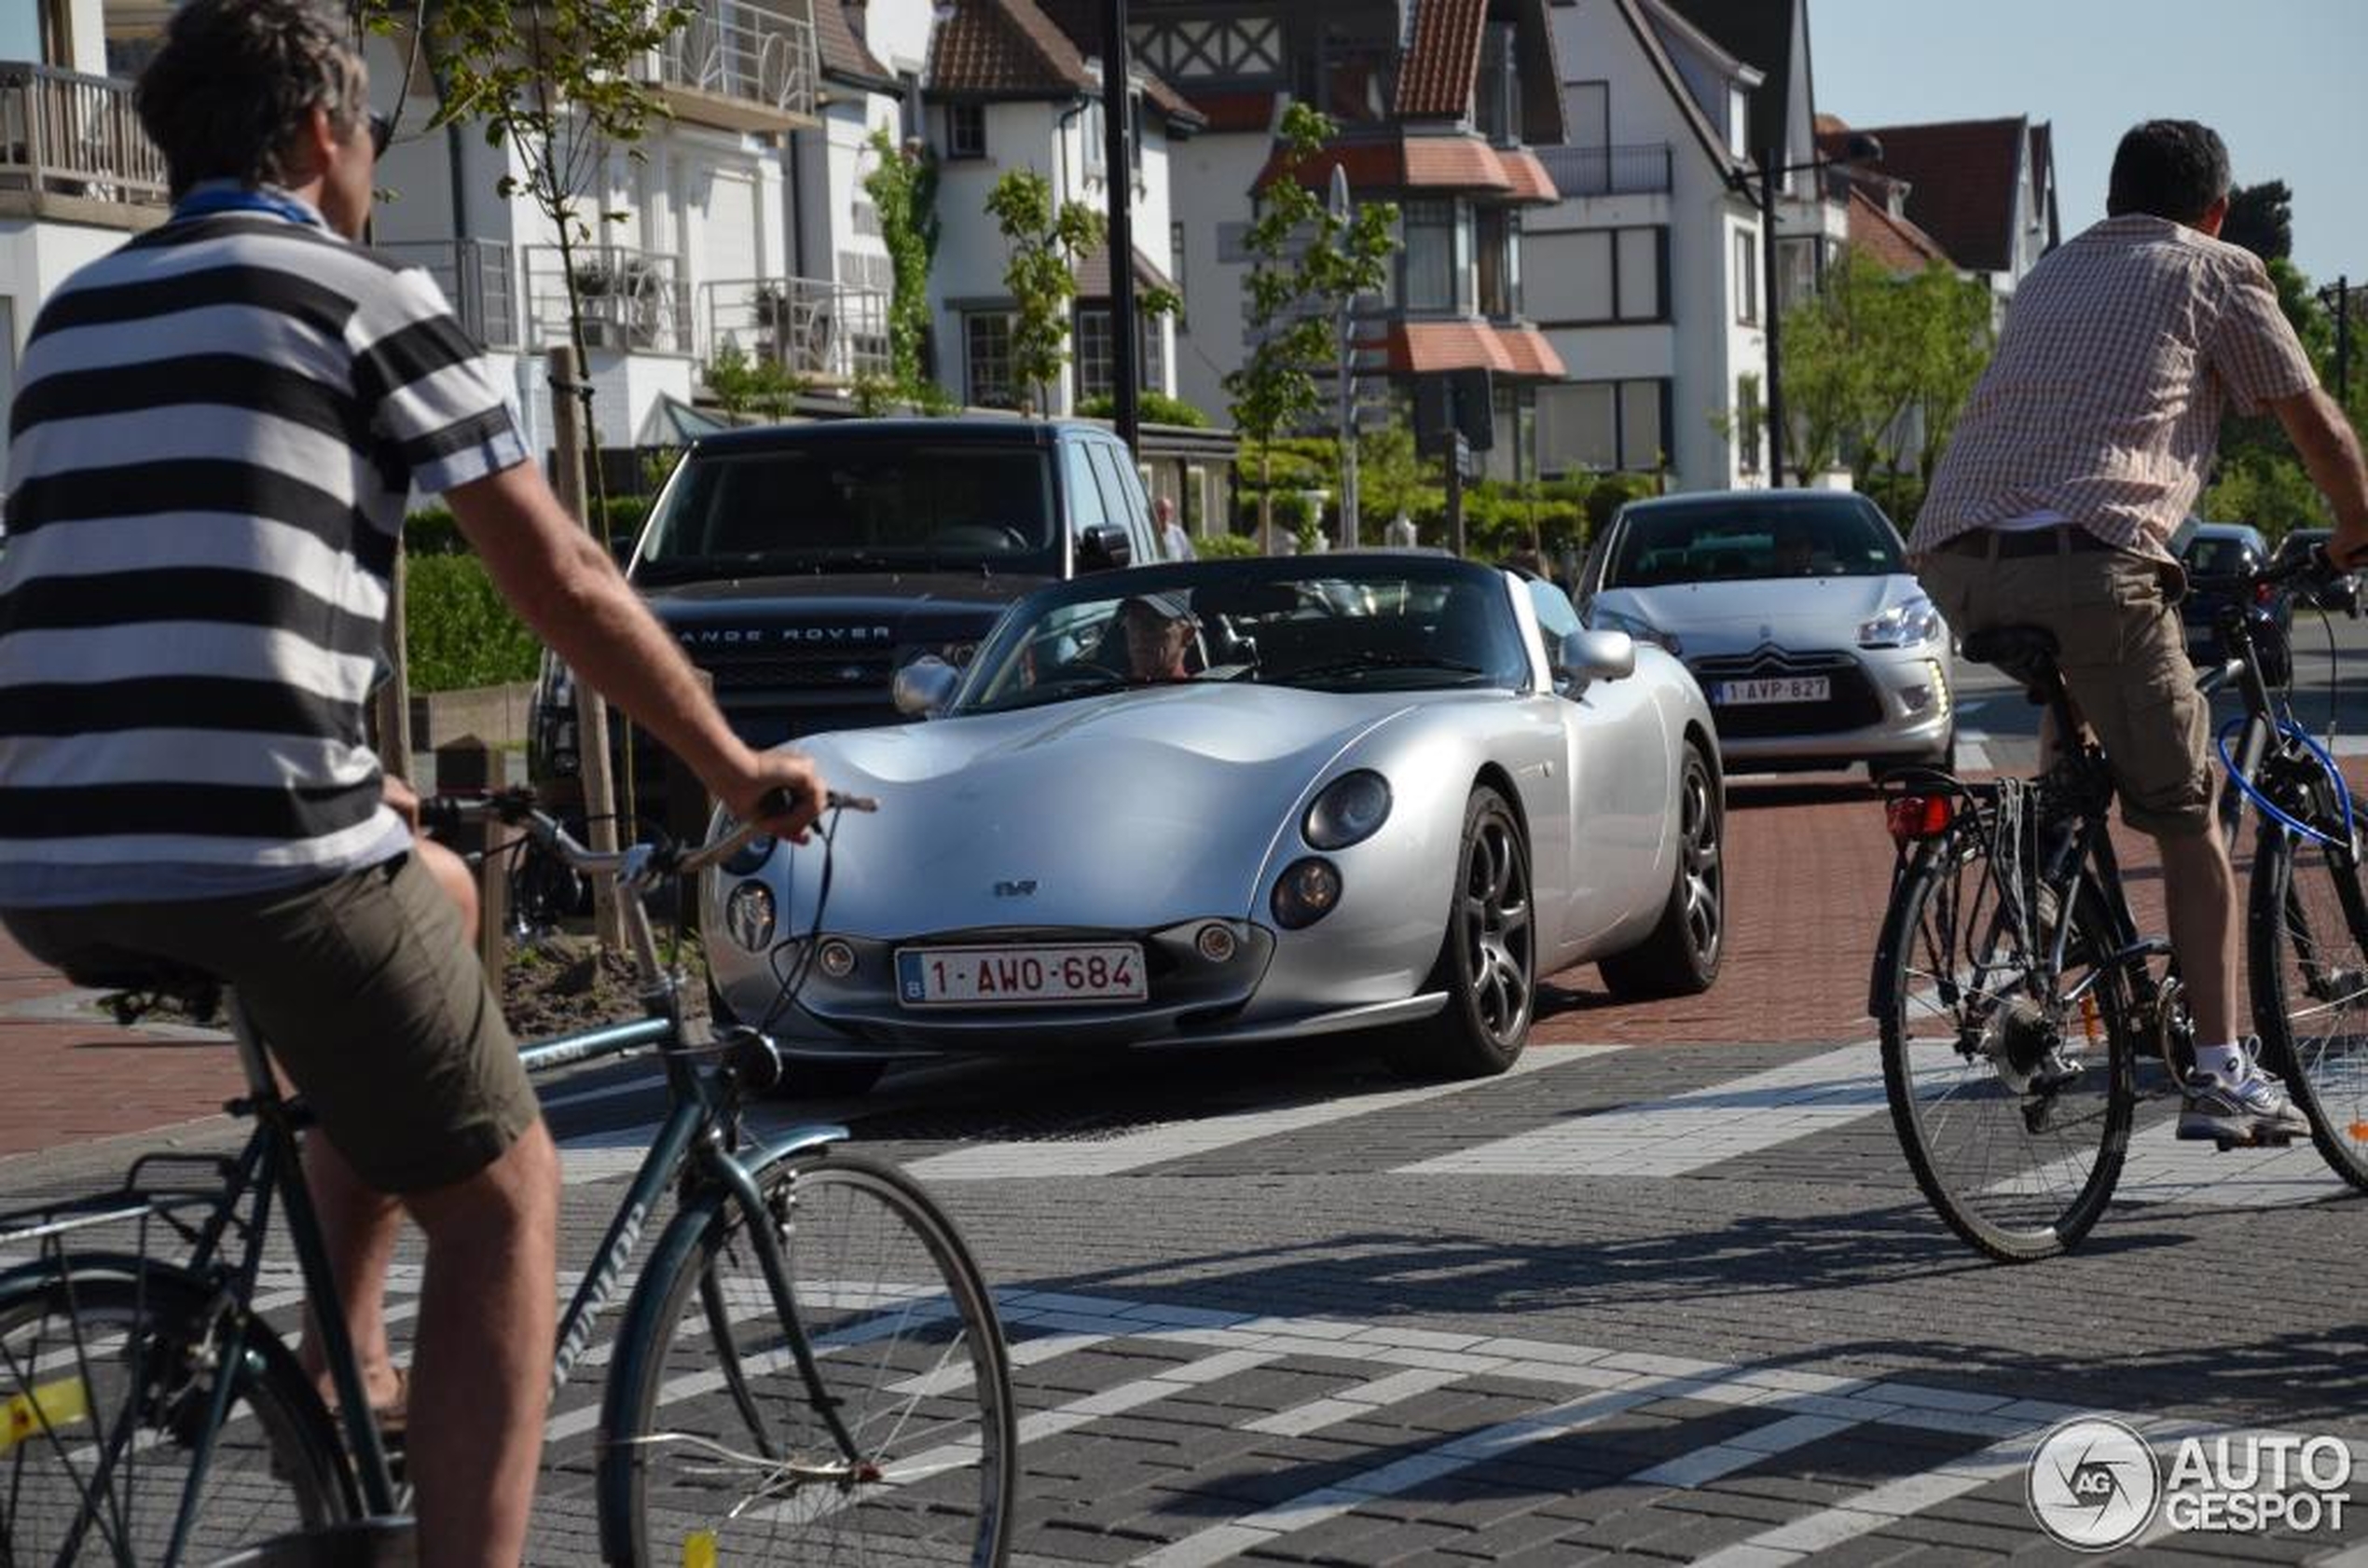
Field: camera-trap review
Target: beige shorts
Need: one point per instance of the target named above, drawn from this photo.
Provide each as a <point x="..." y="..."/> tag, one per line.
<point x="2124" y="656"/>
<point x="367" y="990"/>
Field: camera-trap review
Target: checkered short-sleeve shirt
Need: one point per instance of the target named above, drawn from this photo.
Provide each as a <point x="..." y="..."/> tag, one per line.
<point x="2121" y="352"/>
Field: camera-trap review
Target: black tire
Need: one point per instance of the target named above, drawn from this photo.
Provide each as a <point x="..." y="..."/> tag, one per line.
<point x="2018" y="1176"/>
<point x="2308" y="936"/>
<point x="803" y="1077"/>
<point x="1488" y="959"/>
<point x="1682" y="955"/>
<point x="114" y="1363"/>
<point x="910" y="1357"/>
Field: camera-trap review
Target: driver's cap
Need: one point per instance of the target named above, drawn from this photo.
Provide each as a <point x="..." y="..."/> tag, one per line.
<point x="1166" y="606"/>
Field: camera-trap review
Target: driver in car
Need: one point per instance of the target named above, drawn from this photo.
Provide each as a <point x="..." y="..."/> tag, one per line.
<point x="1158" y="629"/>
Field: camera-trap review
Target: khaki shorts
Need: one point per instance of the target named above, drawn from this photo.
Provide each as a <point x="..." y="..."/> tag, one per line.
<point x="2123" y="657"/>
<point x="368" y="995"/>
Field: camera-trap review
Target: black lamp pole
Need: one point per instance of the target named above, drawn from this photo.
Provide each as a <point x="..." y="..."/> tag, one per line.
<point x="1117" y="136"/>
<point x="1862" y="149"/>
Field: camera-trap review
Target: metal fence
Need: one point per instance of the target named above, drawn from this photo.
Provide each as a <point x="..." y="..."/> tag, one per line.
<point x="631" y="299"/>
<point x="810" y="327"/>
<point x="477" y="277"/>
<point x="752" y="53"/>
<point x="1639" y="170"/>
<point x="65" y="133"/>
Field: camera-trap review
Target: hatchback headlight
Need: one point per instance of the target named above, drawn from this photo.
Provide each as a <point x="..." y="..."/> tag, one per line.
<point x="1349" y="810"/>
<point x="1602" y="619"/>
<point x="1904" y="624"/>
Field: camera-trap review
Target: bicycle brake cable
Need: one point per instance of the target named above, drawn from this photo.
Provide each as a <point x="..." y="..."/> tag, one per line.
<point x="794" y="982"/>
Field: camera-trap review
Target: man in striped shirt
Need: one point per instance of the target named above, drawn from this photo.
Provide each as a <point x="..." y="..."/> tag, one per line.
<point x="213" y="437"/>
<point x="2083" y="447"/>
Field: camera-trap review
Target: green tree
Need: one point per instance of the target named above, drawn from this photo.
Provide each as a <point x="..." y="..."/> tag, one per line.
<point x="1829" y="374"/>
<point x="902" y="187"/>
<point x="2261" y="218"/>
<point x="1307" y="262"/>
<point x="743" y="385"/>
<point x="1046" y="244"/>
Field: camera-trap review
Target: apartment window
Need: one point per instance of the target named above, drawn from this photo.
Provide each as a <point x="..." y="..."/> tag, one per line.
<point x="1596" y="277"/>
<point x="1746" y="277"/>
<point x="1587" y="109"/>
<point x="1092" y="353"/>
<point x="1498" y="239"/>
<point x="1496" y="96"/>
<point x="966" y="130"/>
<point x="1738" y="104"/>
<point x="909" y="119"/>
<point x="1798" y="269"/>
<point x="1096" y="131"/>
<point x="1751" y="420"/>
<point x="1602" y="425"/>
<point x="1438" y="265"/>
<point x="986" y="356"/>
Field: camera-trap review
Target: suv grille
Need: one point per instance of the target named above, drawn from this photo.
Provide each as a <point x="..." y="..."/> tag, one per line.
<point x="1852" y="704"/>
<point x="792" y="670"/>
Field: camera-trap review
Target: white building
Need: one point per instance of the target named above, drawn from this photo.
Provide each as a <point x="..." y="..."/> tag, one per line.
<point x="1647" y="275"/>
<point x="1016" y="84"/>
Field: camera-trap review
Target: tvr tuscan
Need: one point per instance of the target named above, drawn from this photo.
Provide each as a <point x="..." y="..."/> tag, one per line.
<point x="1242" y="801"/>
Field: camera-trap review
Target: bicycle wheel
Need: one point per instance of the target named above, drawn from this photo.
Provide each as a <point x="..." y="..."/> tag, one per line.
<point x="105" y="1382"/>
<point x="720" y="1448"/>
<point x="2018" y="1168"/>
<point x="2309" y="940"/>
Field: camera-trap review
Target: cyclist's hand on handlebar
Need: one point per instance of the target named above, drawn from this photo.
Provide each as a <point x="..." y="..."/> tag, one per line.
<point x="2347" y="549"/>
<point x="783" y="795"/>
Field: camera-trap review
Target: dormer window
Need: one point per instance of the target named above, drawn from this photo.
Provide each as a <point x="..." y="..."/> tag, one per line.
<point x="1496" y="95"/>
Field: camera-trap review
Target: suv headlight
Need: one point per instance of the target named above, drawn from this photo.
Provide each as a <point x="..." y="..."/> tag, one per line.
<point x="1904" y="624"/>
<point x="1603" y="619"/>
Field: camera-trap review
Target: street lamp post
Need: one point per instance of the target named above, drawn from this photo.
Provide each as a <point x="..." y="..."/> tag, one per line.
<point x="1117" y="163"/>
<point x="2336" y="296"/>
<point x="1862" y="149"/>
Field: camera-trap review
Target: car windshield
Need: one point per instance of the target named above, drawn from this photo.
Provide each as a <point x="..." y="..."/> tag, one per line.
<point x="1744" y="541"/>
<point x="816" y="507"/>
<point x="1386" y="623"/>
<point x="2216" y="558"/>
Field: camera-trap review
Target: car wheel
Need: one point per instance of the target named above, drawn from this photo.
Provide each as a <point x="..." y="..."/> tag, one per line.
<point x="1487" y="960"/>
<point x="802" y="1078"/>
<point x="1681" y="958"/>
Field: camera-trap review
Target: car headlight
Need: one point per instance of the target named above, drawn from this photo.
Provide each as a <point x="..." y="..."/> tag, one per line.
<point x="1634" y="625"/>
<point x="1904" y="624"/>
<point x="1307" y="891"/>
<point x="1350" y="810"/>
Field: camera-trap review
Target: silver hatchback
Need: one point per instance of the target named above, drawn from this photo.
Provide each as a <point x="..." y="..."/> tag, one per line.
<point x="1796" y="612"/>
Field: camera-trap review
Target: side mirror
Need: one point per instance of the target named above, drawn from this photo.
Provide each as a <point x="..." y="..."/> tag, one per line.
<point x="1104" y="548"/>
<point x="922" y="688"/>
<point x="1596" y="655"/>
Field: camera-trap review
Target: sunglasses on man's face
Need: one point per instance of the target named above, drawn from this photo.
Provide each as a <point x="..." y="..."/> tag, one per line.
<point x="381" y="133"/>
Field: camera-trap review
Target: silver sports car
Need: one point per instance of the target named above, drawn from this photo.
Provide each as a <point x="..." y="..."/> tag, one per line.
<point x="1242" y="801"/>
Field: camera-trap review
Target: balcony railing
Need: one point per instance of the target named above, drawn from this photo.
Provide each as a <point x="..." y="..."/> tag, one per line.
<point x="66" y="134"/>
<point x="478" y="277"/>
<point x="1640" y="170"/>
<point x="744" y="65"/>
<point x="810" y="327"/>
<point x="632" y="299"/>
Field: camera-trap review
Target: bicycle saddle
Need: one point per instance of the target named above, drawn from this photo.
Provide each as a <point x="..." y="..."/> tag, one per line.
<point x="2027" y="653"/>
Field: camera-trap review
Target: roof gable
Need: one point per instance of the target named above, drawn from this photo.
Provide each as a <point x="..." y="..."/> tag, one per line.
<point x="1964" y="183"/>
<point x="846" y="57"/>
<point x="1758" y="33"/>
<point x="1016" y="48"/>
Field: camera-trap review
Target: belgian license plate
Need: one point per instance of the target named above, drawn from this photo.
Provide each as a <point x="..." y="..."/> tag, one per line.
<point x="1781" y="688"/>
<point x="1030" y="976"/>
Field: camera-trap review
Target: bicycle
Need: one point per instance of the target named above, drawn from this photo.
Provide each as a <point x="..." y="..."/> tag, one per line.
<point x="809" y="1365"/>
<point x="2023" y="1023"/>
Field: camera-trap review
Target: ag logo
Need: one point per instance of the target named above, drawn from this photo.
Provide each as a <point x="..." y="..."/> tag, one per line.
<point x="2093" y="1484"/>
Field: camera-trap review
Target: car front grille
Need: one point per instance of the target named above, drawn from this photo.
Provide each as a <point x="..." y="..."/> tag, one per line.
<point x="1852" y="704"/>
<point x="796" y="669"/>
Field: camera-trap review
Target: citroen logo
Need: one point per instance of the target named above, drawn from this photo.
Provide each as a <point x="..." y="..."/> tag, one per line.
<point x="1025" y="889"/>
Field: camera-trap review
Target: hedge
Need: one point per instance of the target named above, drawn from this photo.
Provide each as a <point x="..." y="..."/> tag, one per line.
<point x="459" y="631"/>
<point x="432" y="531"/>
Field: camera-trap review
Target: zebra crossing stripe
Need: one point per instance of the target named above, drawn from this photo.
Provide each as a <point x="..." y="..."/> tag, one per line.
<point x="1178" y="1140"/>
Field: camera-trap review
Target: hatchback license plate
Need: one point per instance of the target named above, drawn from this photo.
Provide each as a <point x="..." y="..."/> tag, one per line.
<point x="1019" y="976"/>
<point x="1782" y="688"/>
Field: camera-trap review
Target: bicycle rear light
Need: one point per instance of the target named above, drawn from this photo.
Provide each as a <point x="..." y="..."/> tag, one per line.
<point x="1912" y="818"/>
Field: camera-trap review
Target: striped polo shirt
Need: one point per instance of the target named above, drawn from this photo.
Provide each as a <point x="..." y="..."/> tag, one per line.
<point x="216" y="431"/>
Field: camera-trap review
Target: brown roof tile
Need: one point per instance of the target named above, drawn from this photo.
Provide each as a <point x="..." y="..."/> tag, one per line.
<point x="986" y="47"/>
<point x="1963" y="178"/>
<point x="1426" y="348"/>
<point x="1529" y="181"/>
<point x="1424" y="164"/>
<point x="1435" y="79"/>
<point x="1895" y="243"/>
<point x="1081" y="22"/>
<point x="1093" y="273"/>
<point x="1453" y="163"/>
<point x="845" y="58"/>
<point x="1529" y="354"/>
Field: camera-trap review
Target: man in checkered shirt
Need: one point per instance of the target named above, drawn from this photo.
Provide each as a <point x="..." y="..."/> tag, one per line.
<point x="2085" y="444"/>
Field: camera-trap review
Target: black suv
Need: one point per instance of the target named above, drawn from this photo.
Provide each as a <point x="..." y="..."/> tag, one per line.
<point x="801" y="566"/>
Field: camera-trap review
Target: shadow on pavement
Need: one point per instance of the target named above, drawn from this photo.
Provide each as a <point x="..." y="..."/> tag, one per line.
<point x="1751" y="794"/>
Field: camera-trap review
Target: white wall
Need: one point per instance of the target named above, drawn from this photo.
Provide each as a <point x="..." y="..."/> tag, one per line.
<point x="1211" y="176"/>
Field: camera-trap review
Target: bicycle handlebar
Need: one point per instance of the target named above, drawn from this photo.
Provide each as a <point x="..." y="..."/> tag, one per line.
<point x="517" y="808"/>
